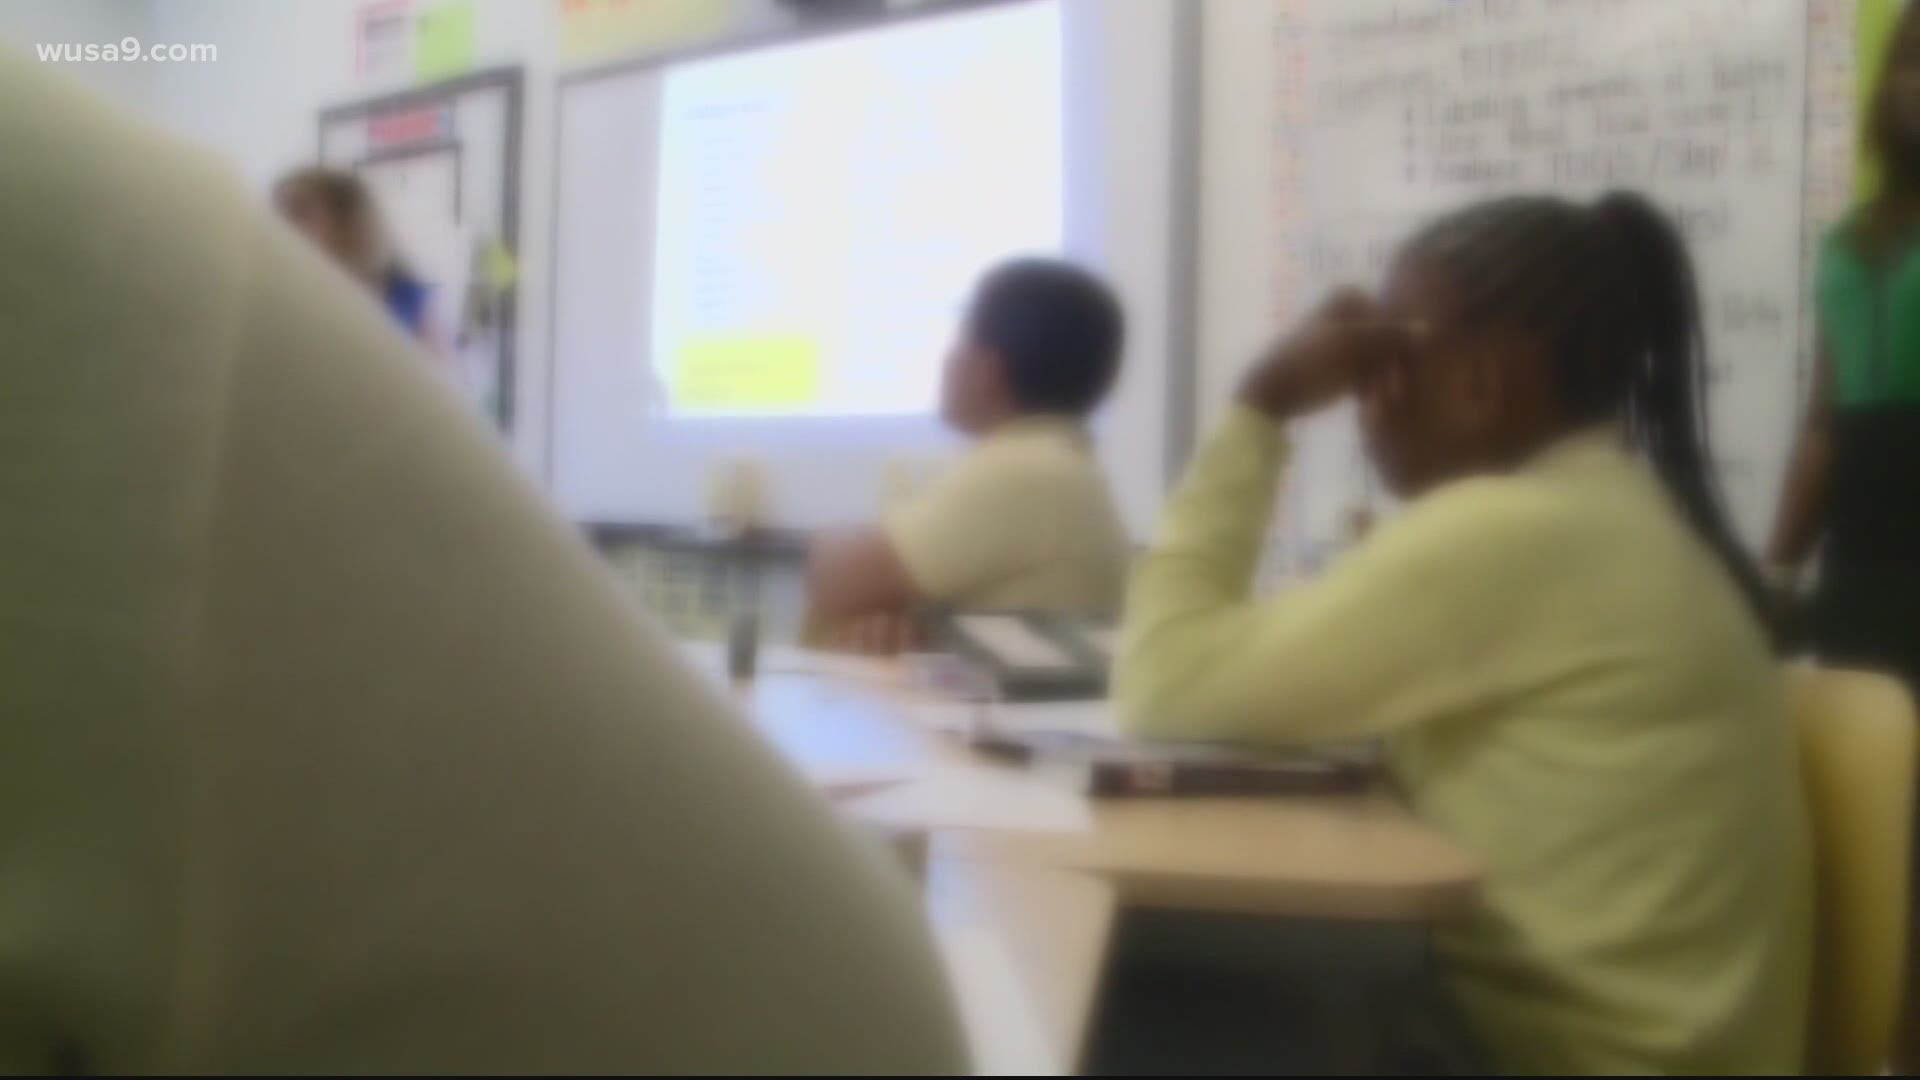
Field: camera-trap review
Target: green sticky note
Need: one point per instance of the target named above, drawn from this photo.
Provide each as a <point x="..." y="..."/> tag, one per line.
<point x="443" y="40"/>
<point x="500" y="267"/>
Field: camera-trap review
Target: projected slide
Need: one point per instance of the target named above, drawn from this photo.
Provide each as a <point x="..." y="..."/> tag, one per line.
<point x="823" y="208"/>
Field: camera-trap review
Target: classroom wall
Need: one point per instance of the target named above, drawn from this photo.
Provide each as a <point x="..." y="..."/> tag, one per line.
<point x="282" y="61"/>
<point x="1234" y="319"/>
<point x="25" y="24"/>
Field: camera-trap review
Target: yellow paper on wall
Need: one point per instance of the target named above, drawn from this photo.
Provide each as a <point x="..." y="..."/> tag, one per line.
<point x="747" y="372"/>
<point x="601" y="29"/>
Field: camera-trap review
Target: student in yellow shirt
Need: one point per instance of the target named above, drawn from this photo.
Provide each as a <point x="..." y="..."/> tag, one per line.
<point x="1557" y="638"/>
<point x="1024" y="520"/>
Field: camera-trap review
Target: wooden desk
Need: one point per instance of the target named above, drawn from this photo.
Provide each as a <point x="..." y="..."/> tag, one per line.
<point x="1050" y="898"/>
<point x="1358" y="857"/>
<point x="1363" y="856"/>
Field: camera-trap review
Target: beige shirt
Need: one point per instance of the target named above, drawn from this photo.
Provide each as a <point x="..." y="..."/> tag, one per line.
<point x="324" y="746"/>
<point x="1570" y="685"/>
<point x="1023" y="520"/>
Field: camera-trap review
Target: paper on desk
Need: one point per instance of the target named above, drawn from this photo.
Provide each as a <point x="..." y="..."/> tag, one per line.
<point x="842" y="783"/>
<point x="1013" y="641"/>
<point x="792" y="660"/>
<point x="1001" y="1019"/>
<point x="1090" y="718"/>
<point x="710" y="659"/>
<point x="976" y="797"/>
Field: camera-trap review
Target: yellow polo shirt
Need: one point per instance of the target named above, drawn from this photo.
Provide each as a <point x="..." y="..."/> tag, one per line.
<point x="1023" y="520"/>
<point x="324" y="746"/>
<point x="1571" y="686"/>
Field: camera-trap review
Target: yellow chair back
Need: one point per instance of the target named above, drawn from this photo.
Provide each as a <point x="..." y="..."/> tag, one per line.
<point x="1857" y="747"/>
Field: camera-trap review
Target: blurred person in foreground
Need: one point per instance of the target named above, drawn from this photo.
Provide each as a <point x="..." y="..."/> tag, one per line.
<point x="1559" y="639"/>
<point x="336" y="210"/>
<point x="1024" y="520"/>
<point x="289" y="783"/>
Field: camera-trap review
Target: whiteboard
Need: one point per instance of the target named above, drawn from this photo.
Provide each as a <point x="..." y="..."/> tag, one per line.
<point x="606" y="460"/>
<point x="419" y="198"/>
<point x="1359" y="119"/>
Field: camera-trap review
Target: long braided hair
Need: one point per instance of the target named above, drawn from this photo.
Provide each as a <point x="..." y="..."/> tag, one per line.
<point x="1609" y="290"/>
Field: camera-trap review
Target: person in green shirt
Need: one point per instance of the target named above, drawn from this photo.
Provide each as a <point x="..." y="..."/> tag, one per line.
<point x="1852" y="488"/>
<point x="1557" y="638"/>
<point x="1853" y="483"/>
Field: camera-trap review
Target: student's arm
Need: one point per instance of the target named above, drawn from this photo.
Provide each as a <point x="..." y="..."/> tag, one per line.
<point x="1803" y="496"/>
<point x="856" y="572"/>
<point x="1404" y="627"/>
<point x="859" y="597"/>
<point x="945" y="545"/>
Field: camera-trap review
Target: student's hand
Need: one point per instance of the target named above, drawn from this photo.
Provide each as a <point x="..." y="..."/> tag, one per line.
<point x="1320" y="360"/>
<point x="887" y="633"/>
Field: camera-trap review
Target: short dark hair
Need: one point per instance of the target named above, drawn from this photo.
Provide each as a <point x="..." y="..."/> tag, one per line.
<point x="1058" y="329"/>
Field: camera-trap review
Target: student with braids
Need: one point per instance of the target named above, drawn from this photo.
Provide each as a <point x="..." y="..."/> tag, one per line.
<point x="1558" y="638"/>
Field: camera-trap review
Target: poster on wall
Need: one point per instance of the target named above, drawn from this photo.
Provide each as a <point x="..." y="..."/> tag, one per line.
<point x="443" y="40"/>
<point x="399" y="41"/>
<point x="383" y="40"/>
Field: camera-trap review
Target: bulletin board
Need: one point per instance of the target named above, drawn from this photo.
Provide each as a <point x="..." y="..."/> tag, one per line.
<point x="443" y="162"/>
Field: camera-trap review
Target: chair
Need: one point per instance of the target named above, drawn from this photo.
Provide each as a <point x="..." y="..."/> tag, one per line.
<point x="1857" y="746"/>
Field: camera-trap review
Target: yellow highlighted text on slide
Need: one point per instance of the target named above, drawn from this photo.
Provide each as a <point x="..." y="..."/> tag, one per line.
<point x="747" y="371"/>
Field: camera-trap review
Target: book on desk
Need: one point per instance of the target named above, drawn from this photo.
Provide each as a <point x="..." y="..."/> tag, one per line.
<point x="1111" y="767"/>
<point x="1039" y="665"/>
<point x="1029" y="656"/>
